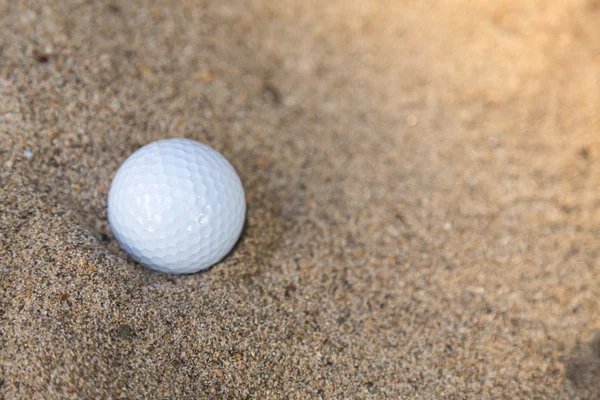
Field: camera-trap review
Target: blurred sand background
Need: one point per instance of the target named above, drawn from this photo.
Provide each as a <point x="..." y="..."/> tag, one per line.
<point x="423" y="188"/>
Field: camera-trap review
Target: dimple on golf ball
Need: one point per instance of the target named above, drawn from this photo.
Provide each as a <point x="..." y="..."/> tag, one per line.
<point x="176" y="206"/>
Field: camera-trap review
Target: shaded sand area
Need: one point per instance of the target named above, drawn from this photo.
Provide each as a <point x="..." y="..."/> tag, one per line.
<point x="423" y="190"/>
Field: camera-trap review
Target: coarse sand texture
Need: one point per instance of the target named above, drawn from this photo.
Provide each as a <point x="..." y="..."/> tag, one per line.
<point x="421" y="182"/>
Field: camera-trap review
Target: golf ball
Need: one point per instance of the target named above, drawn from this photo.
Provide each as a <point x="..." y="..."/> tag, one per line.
<point x="176" y="206"/>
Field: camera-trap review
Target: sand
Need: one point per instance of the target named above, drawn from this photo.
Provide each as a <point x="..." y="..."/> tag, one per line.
<point x="422" y="181"/>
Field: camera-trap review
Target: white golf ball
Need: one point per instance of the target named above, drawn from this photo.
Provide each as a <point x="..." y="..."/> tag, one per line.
<point x="176" y="206"/>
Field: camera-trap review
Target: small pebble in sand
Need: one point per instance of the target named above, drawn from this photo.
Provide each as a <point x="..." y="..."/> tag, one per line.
<point x="28" y="154"/>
